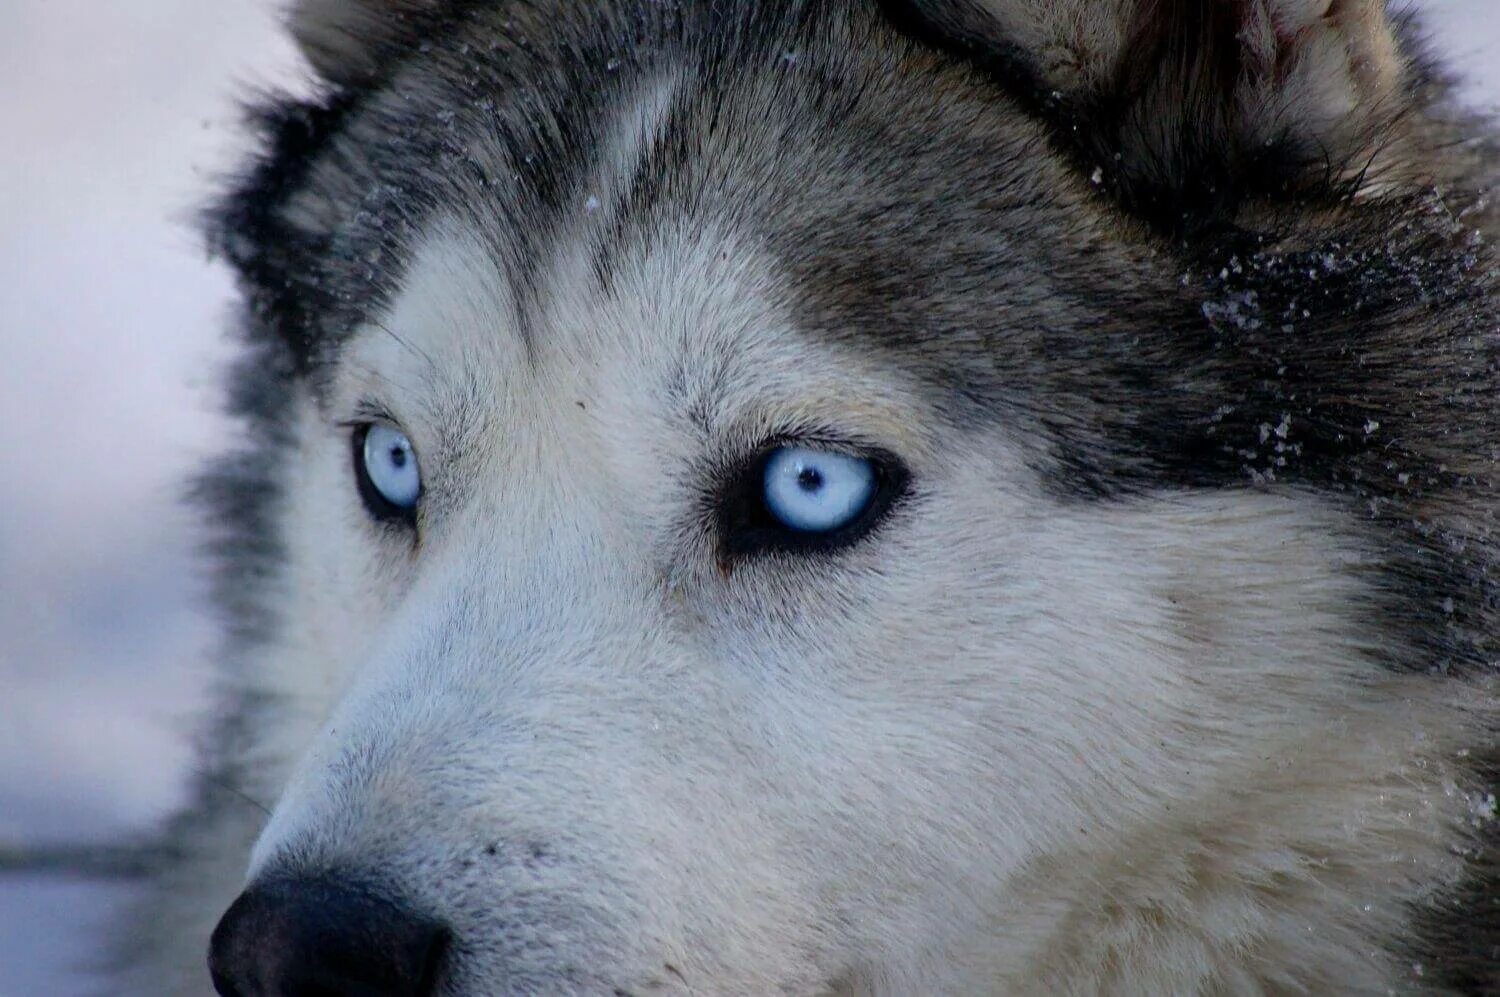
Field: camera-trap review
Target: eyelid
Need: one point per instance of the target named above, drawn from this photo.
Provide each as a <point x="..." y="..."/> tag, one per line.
<point x="816" y="438"/>
<point x="366" y="411"/>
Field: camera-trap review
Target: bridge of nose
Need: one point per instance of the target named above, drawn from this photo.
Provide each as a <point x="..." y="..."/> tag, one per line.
<point x="495" y="653"/>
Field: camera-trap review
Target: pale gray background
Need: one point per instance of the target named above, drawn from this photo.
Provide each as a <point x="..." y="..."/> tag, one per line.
<point x="115" y="116"/>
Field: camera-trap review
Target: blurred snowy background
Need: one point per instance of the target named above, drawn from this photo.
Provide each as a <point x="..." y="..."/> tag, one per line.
<point x="115" y="117"/>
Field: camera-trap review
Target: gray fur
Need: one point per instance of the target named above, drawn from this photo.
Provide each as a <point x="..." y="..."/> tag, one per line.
<point x="1121" y="267"/>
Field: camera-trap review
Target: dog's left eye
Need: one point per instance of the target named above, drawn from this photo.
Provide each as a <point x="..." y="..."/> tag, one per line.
<point x="385" y="464"/>
<point x="817" y="491"/>
<point x="802" y="498"/>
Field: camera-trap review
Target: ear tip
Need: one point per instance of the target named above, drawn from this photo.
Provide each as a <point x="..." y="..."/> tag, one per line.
<point x="344" y="40"/>
<point x="1254" y="94"/>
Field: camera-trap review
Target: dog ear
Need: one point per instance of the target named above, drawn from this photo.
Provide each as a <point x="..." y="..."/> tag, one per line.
<point x="1177" y="104"/>
<point x="348" y="41"/>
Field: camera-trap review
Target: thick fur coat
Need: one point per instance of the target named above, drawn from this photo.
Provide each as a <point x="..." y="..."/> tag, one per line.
<point x="1164" y="660"/>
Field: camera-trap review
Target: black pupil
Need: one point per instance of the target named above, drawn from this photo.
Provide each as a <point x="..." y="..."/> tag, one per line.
<point x="809" y="479"/>
<point x="398" y="456"/>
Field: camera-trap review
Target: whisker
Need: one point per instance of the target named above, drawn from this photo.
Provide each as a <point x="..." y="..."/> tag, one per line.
<point x="218" y="782"/>
<point x="415" y="350"/>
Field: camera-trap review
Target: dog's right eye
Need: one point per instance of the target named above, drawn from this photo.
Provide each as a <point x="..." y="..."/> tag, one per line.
<point x="385" y="465"/>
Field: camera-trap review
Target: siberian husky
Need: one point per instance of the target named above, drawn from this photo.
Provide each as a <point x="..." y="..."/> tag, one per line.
<point x="854" y="497"/>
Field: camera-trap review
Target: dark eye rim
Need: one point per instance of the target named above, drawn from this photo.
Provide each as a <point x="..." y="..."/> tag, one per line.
<point x="746" y="527"/>
<point x="380" y="508"/>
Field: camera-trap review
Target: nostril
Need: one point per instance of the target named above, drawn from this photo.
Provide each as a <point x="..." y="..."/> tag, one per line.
<point x="323" y="936"/>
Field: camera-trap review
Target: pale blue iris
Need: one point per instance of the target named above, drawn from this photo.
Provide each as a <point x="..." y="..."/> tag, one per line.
<point x="817" y="491"/>
<point x="391" y="464"/>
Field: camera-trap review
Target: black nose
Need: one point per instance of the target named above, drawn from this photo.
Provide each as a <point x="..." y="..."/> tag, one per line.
<point x="324" y="937"/>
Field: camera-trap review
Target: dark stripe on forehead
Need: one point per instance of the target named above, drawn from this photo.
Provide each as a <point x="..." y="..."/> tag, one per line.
<point x="659" y="164"/>
<point x="497" y="124"/>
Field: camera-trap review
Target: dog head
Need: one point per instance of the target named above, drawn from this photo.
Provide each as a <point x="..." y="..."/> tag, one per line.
<point x="850" y="495"/>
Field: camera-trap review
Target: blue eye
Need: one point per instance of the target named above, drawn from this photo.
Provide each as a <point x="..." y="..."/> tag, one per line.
<point x="817" y="491"/>
<point x="390" y="481"/>
<point x="801" y="498"/>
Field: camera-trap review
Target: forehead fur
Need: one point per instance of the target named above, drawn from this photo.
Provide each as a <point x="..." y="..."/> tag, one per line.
<point x="913" y="205"/>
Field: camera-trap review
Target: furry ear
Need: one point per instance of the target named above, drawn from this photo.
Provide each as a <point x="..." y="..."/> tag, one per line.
<point x="348" y="41"/>
<point x="1178" y="104"/>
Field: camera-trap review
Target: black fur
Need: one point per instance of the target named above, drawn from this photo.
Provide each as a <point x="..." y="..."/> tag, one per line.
<point x="1161" y="132"/>
<point x="248" y="230"/>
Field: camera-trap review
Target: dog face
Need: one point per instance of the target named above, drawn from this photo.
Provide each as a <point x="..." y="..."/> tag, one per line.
<point x="765" y="530"/>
